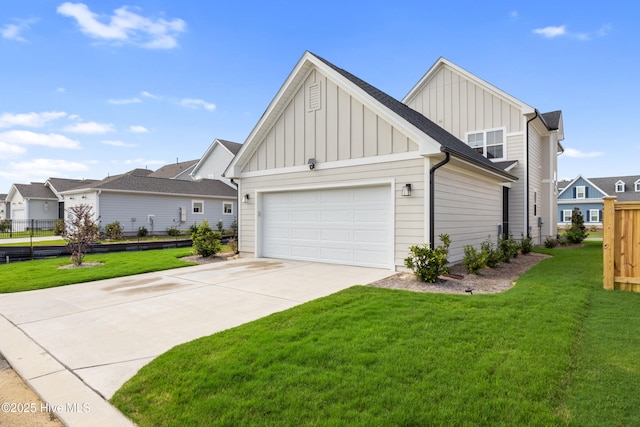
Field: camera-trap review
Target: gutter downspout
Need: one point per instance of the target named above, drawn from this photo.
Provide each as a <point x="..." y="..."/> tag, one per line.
<point x="527" y="184"/>
<point x="432" y="212"/>
<point x="238" y="207"/>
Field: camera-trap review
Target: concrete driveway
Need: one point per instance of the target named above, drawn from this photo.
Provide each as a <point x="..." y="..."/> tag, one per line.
<point x="77" y="344"/>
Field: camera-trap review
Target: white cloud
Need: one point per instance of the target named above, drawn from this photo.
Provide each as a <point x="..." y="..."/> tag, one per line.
<point x="61" y="90"/>
<point x="118" y="144"/>
<point x="551" y="32"/>
<point x="577" y="154"/>
<point x="13" y="31"/>
<point x="195" y="103"/>
<point x="149" y="95"/>
<point x="25" y="137"/>
<point x="50" y="167"/>
<point x="10" y="150"/>
<point x="124" y="101"/>
<point x="125" y="26"/>
<point x="90" y="128"/>
<point x="138" y="129"/>
<point x="29" y="119"/>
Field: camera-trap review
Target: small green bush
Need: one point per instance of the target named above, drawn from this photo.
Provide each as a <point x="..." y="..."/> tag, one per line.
<point x="193" y="228"/>
<point x="577" y="232"/>
<point x="509" y="248"/>
<point x="474" y="259"/>
<point x="58" y="227"/>
<point x="526" y="245"/>
<point x="427" y="263"/>
<point x="550" y="243"/>
<point x="173" y="231"/>
<point x="5" y="226"/>
<point x="142" y="231"/>
<point x="220" y="226"/>
<point x="494" y="255"/>
<point x="113" y="230"/>
<point x="206" y="242"/>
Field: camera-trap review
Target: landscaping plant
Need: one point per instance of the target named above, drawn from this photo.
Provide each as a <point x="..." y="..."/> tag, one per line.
<point x="142" y="231"/>
<point x="206" y="242"/>
<point x="577" y="232"/>
<point x="526" y="245"/>
<point x="429" y="263"/>
<point x="494" y="255"/>
<point x="509" y="248"/>
<point x="474" y="259"/>
<point x="113" y="230"/>
<point x="80" y="231"/>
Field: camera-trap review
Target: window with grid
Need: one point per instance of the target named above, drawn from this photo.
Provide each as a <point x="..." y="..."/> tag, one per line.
<point x="489" y="143"/>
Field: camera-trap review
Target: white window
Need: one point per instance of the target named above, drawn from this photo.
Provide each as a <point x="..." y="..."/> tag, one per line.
<point x="619" y="187"/>
<point x="489" y="143"/>
<point x="197" y="206"/>
<point x="566" y="215"/>
<point x="594" y="215"/>
<point x="581" y="192"/>
<point x="637" y="185"/>
<point x="227" y="208"/>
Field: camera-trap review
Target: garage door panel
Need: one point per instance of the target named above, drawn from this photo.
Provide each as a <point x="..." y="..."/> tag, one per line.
<point x="347" y="226"/>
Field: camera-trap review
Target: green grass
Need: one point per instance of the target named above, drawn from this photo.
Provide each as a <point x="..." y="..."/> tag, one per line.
<point x="39" y="274"/>
<point x="544" y="353"/>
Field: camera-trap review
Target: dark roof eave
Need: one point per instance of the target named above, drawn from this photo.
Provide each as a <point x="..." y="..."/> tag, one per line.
<point x="495" y="170"/>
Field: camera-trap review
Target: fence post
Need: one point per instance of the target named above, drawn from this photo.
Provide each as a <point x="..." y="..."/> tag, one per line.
<point x="608" y="242"/>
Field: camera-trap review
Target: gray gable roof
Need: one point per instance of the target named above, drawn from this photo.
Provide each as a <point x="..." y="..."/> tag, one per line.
<point x="64" y="184"/>
<point x="145" y="184"/>
<point x="234" y="147"/>
<point x="448" y="141"/>
<point x="174" y="169"/>
<point x="608" y="185"/>
<point x="552" y="119"/>
<point x="35" y="190"/>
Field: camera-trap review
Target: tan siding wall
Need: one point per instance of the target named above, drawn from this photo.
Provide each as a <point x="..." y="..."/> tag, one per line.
<point x="468" y="207"/>
<point x="409" y="215"/>
<point x="516" y="150"/>
<point x="459" y="105"/>
<point x="535" y="181"/>
<point x="337" y="131"/>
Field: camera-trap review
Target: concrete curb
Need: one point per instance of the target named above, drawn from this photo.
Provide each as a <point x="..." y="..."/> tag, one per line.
<point x="74" y="403"/>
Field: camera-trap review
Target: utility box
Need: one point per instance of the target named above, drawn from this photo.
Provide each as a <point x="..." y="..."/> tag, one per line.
<point x="183" y="214"/>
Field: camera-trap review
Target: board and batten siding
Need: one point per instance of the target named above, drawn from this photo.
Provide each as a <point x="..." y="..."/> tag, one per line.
<point x="466" y="222"/>
<point x="123" y="207"/>
<point x="336" y="131"/>
<point x="409" y="222"/>
<point x="459" y="105"/>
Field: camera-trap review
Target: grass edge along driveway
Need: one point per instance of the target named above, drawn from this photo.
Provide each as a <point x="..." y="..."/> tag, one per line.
<point x="368" y="356"/>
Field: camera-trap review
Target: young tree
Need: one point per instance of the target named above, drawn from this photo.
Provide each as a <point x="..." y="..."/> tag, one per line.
<point x="577" y="232"/>
<point x="206" y="242"/>
<point x="80" y="231"/>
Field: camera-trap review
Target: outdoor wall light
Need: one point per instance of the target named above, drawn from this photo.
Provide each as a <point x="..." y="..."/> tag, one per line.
<point x="406" y="190"/>
<point x="245" y="198"/>
<point x="311" y="163"/>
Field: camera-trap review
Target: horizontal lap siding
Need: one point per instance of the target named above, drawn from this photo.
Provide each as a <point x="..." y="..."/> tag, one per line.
<point x="409" y="214"/>
<point x="468" y="208"/>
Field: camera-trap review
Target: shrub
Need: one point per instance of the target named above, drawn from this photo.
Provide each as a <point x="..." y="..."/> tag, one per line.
<point x="142" y="231"/>
<point x="526" y="245"/>
<point x="550" y="243"/>
<point x="234" y="226"/>
<point x="173" y="231"/>
<point x="193" y="228"/>
<point x="220" y="226"/>
<point x="474" y="259"/>
<point x="206" y="242"/>
<point x="494" y="255"/>
<point x="113" y="230"/>
<point x="577" y="232"/>
<point x="509" y="248"/>
<point x="5" y="226"/>
<point x="58" y="227"/>
<point x="80" y="231"/>
<point x="233" y="245"/>
<point x="429" y="263"/>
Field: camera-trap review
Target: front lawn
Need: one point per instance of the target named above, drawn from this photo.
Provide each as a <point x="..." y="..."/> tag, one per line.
<point x="40" y="274"/>
<point x="370" y="356"/>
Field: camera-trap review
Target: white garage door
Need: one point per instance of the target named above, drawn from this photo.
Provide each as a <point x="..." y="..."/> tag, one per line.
<point x="350" y="226"/>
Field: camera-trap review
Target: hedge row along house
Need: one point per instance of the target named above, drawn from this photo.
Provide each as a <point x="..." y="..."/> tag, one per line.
<point x="338" y="171"/>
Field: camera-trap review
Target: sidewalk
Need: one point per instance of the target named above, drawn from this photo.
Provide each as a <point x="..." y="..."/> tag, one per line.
<point x="27" y="240"/>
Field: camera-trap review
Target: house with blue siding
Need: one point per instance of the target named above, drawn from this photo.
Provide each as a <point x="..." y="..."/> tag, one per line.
<point x="587" y="193"/>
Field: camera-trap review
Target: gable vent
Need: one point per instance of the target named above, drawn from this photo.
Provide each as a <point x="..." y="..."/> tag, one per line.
<point x="314" y="97"/>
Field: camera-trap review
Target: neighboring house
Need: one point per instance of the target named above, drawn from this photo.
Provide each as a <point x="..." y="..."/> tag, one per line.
<point x="215" y="161"/>
<point x="338" y="171"/>
<point x="136" y="200"/>
<point x="58" y="185"/>
<point x="31" y="201"/>
<point x="3" y="206"/>
<point x="587" y="193"/>
<point x="178" y="170"/>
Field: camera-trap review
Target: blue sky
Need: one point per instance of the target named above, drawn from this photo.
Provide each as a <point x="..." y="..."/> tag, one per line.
<point x="101" y="87"/>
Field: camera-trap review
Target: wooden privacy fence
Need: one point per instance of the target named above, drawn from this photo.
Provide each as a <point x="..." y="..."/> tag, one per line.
<point x="621" y="245"/>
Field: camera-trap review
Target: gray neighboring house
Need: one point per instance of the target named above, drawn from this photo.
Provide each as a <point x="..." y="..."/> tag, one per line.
<point x="136" y="199"/>
<point x="215" y="160"/>
<point x="31" y="201"/>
